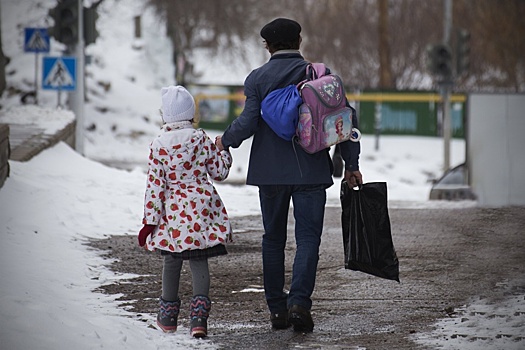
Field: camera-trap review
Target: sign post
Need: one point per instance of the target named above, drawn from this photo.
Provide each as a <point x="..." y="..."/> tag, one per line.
<point x="36" y="40"/>
<point x="77" y="100"/>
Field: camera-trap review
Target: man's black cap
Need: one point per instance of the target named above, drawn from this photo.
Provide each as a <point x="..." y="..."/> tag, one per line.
<point x="281" y="30"/>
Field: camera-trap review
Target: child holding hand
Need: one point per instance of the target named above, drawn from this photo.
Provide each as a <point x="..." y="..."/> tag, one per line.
<point x="184" y="216"/>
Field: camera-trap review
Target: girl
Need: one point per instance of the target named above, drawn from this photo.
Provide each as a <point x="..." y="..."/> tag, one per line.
<point x="184" y="217"/>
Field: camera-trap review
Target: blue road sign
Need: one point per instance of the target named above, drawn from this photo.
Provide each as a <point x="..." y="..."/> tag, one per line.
<point x="59" y="73"/>
<point x="36" y="40"/>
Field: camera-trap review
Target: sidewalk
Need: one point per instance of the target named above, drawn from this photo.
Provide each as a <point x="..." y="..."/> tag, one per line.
<point x="450" y="259"/>
<point x="23" y="135"/>
<point x="28" y="140"/>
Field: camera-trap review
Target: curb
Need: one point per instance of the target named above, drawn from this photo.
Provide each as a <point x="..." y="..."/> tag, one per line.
<point x="23" y="142"/>
<point x="24" y="148"/>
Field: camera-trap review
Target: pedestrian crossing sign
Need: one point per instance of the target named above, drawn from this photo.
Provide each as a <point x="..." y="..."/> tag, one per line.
<point x="36" y="40"/>
<point x="59" y="73"/>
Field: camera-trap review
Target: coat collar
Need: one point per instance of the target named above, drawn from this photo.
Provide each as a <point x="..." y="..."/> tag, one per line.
<point x="286" y="54"/>
<point x="185" y="124"/>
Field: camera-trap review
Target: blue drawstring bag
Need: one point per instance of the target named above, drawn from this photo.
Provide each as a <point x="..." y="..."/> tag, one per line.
<point x="280" y="110"/>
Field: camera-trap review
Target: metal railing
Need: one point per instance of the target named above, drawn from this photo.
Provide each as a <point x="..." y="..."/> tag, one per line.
<point x="365" y="97"/>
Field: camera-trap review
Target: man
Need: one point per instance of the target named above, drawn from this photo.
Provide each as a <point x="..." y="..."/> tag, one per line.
<point x="284" y="172"/>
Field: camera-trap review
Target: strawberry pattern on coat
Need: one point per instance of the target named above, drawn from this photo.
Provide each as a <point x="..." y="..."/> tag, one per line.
<point x="180" y="198"/>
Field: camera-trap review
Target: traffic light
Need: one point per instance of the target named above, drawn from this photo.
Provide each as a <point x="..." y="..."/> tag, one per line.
<point x="440" y="60"/>
<point x="462" y="52"/>
<point x="65" y="14"/>
<point x="90" y="25"/>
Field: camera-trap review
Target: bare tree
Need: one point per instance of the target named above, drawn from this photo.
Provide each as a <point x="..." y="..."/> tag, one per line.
<point x="385" y="71"/>
<point x="413" y="26"/>
<point x="341" y="33"/>
<point x="497" y="55"/>
<point x="338" y="33"/>
<point x="193" y="24"/>
<point x="371" y="44"/>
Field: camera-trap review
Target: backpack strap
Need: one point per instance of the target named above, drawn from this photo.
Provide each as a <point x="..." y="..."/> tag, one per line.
<point x="318" y="69"/>
<point x="313" y="71"/>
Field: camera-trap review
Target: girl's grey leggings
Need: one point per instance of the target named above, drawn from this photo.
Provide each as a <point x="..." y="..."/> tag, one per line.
<point x="171" y="277"/>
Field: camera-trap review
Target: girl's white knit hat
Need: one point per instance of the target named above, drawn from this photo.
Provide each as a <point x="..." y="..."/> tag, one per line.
<point x="177" y="104"/>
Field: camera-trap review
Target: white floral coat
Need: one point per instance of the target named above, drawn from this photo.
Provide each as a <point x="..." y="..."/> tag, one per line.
<point x="180" y="199"/>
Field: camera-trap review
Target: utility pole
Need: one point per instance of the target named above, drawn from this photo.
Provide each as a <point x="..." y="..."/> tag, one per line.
<point x="77" y="96"/>
<point x="75" y="26"/>
<point x="446" y="86"/>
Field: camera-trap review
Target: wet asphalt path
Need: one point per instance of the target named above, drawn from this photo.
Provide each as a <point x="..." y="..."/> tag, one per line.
<point x="447" y="257"/>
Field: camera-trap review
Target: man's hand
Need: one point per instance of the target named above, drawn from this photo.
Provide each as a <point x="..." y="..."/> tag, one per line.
<point x="353" y="178"/>
<point x="218" y="143"/>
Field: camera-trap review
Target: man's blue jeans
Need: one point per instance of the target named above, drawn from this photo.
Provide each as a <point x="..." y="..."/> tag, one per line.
<point x="308" y="210"/>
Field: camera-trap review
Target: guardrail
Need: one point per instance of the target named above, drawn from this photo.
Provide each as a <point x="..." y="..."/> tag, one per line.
<point x="403" y="97"/>
<point x="366" y="97"/>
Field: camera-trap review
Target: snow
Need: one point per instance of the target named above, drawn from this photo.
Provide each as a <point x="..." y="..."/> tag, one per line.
<point x="48" y="275"/>
<point x="483" y="324"/>
<point x="49" y="120"/>
<point x="54" y="203"/>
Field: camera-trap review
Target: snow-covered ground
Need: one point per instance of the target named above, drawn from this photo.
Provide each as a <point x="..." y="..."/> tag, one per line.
<point x="52" y="204"/>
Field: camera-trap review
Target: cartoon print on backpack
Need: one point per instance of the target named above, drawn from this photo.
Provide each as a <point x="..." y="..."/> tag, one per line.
<point x="337" y="128"/>
<point x="304" y="125"/>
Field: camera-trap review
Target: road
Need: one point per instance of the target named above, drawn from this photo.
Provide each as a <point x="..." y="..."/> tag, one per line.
<point x="448" y="257"/>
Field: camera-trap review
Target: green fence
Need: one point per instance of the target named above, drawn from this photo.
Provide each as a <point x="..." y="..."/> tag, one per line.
<point x="394" y="113"/>
<point x="410" y="113"/>
<point x="217" y="106"/>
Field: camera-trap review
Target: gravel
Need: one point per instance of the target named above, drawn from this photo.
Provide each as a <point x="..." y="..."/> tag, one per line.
<point x="448" y="257"/>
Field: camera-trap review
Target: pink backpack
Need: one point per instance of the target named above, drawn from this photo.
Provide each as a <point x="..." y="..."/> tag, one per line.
<point x="324" y="117"/>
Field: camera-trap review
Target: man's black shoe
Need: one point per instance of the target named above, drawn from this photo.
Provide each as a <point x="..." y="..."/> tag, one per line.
<point x="280" y="320"/>
<point x="301" y="319"/>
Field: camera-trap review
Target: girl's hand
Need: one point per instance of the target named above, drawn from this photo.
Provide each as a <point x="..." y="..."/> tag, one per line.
<point x="144" y="233"/>
<point x="218" y="143"/>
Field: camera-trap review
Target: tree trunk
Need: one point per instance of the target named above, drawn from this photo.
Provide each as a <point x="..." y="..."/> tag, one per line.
<point x="385" y="70"/>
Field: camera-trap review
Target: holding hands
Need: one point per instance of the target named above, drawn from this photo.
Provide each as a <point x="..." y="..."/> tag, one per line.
<point x="218" y="143"/>
<point x="352" y="178"/>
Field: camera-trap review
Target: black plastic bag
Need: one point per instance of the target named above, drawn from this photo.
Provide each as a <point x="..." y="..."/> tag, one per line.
<point x="367" y="237"/>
